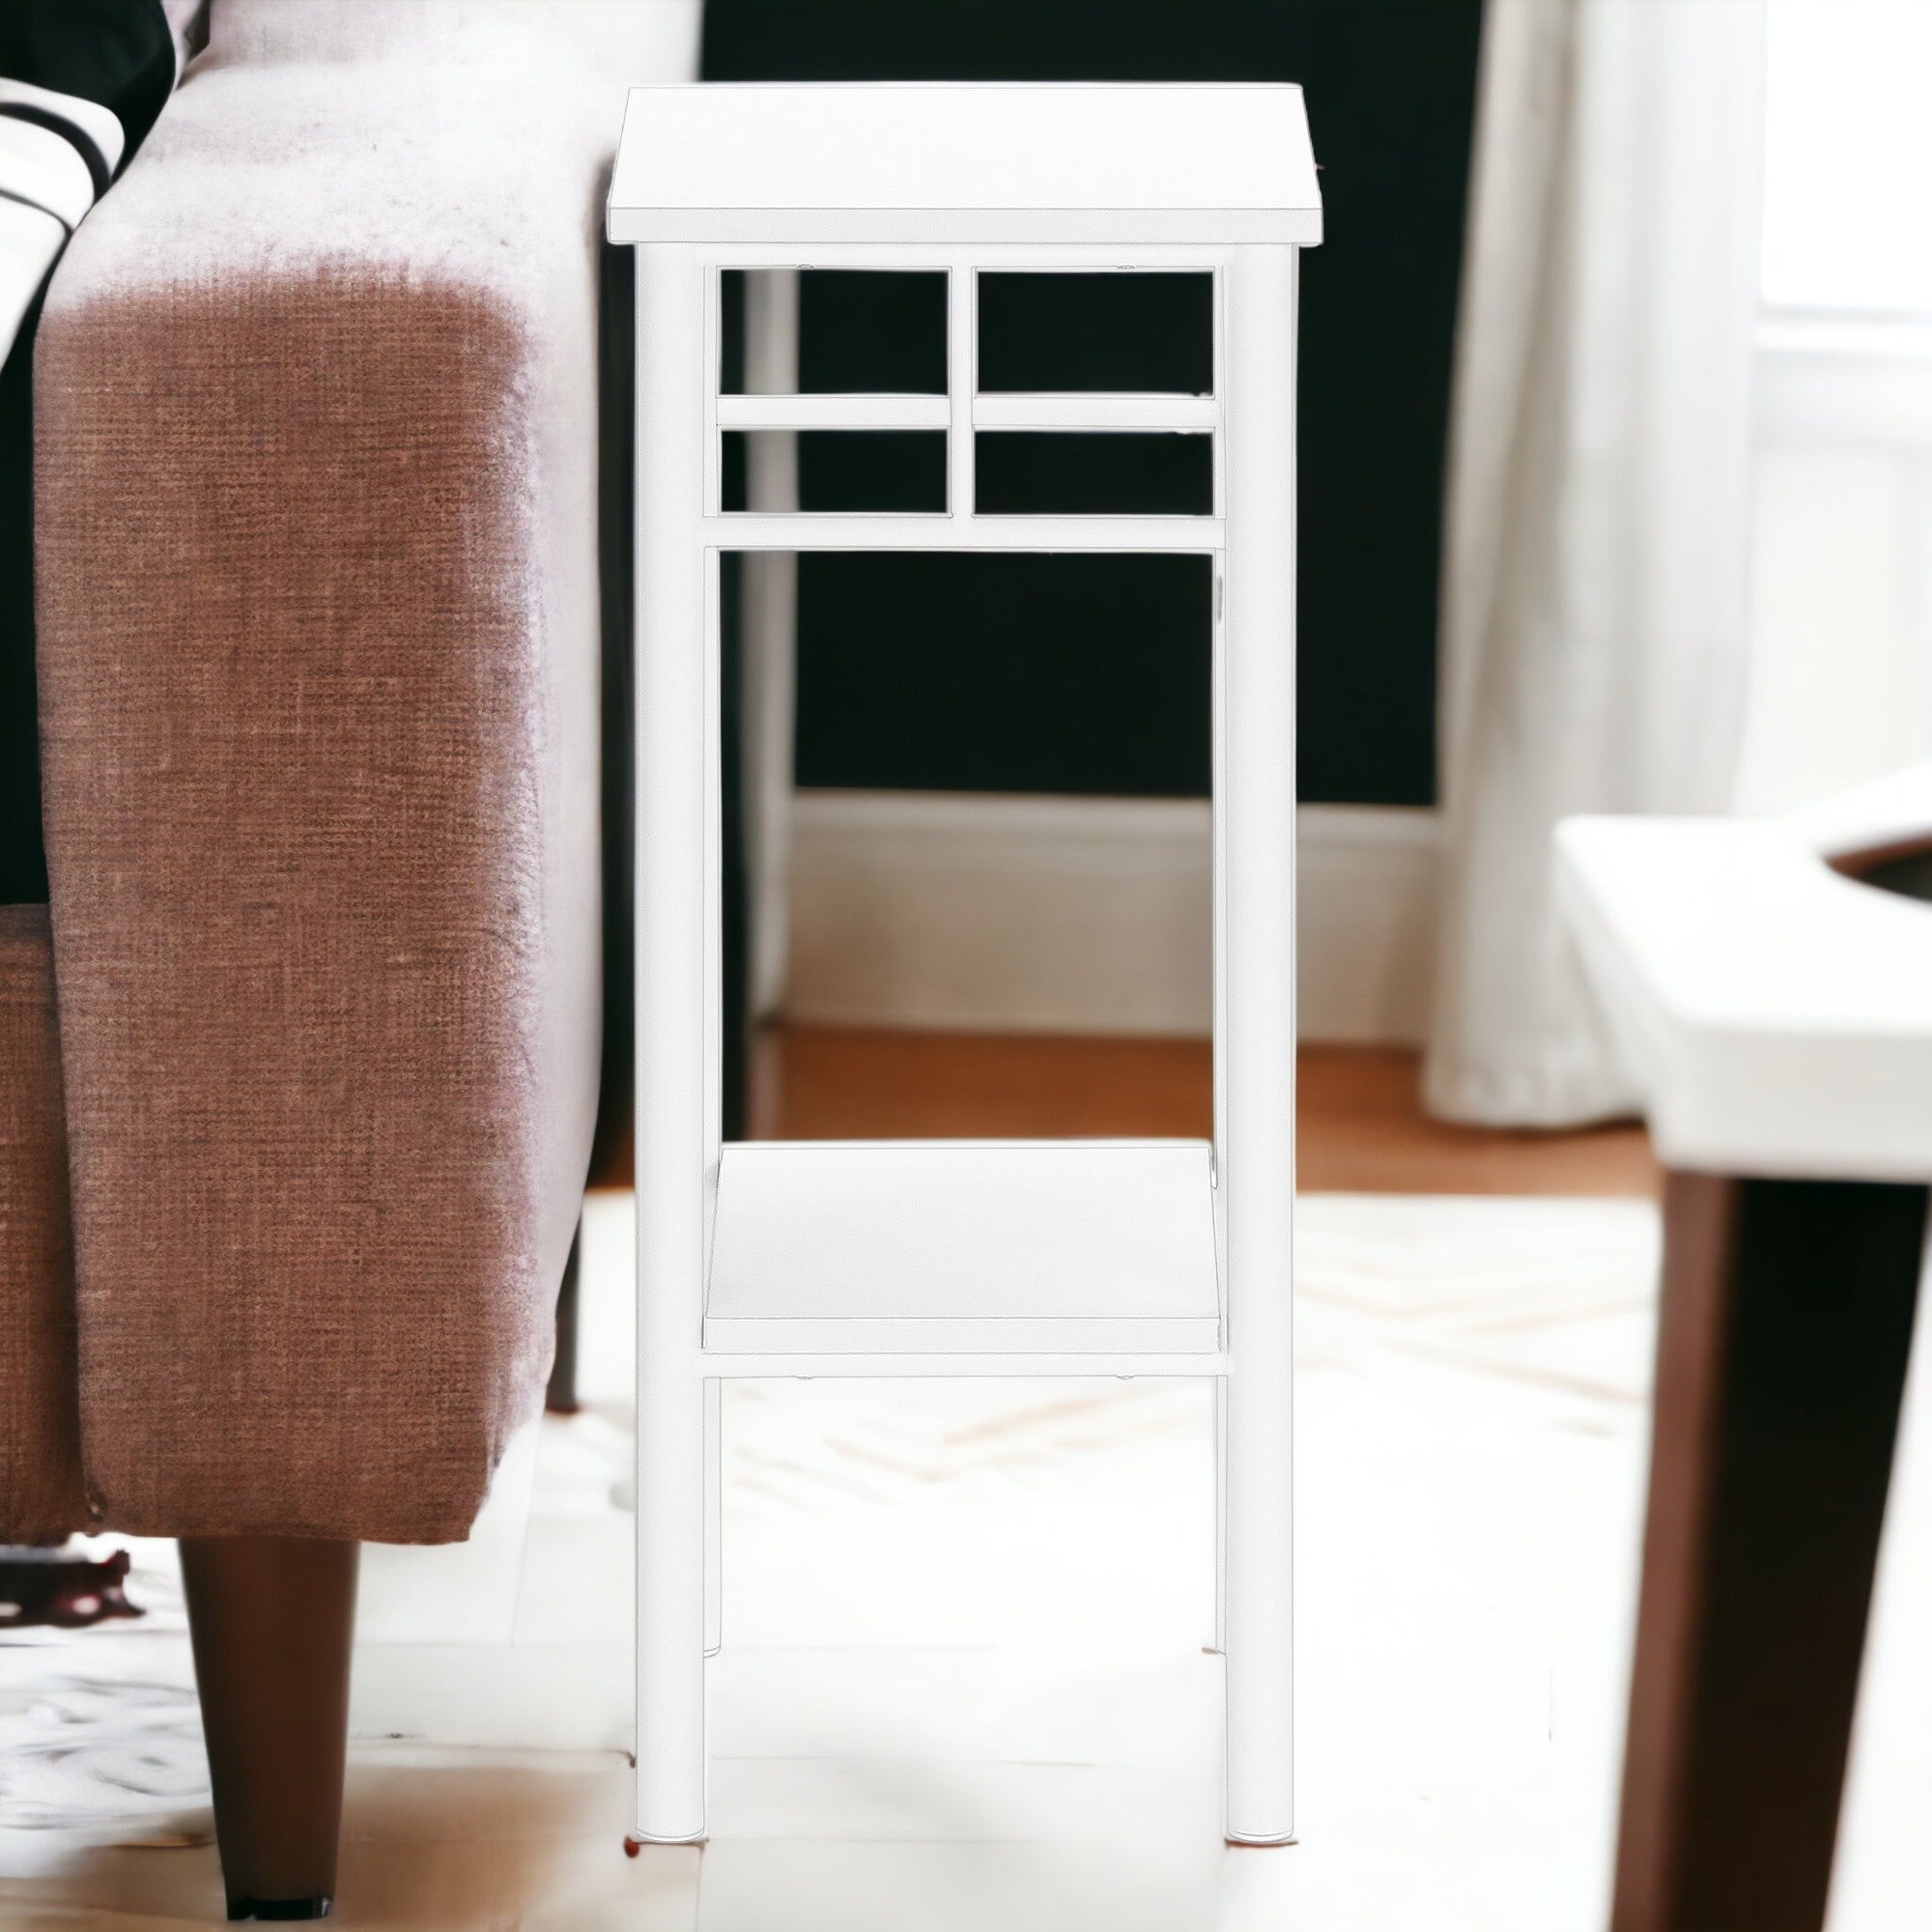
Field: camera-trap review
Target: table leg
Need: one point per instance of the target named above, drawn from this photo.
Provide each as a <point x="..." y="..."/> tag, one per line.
<point x="714" y="1516"/>
<point x="769" y="630"/>
<point x="1255" y="927"/>
<point x="1786" y="1327"/>
<point x="676" y="675"/>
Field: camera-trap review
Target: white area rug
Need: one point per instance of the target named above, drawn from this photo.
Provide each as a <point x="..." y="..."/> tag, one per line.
<point x="119" y="1762"/>
<point x="963" y="1680"/>
<point x="1060" y="1522"/>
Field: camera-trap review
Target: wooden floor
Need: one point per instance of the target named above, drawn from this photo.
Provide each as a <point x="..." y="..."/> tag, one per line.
<point x="1362" y="1127"/>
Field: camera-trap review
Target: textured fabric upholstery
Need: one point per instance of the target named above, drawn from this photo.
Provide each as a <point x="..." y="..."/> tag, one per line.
<point x="41" y="1493"/>
<point x="319" y="686"/>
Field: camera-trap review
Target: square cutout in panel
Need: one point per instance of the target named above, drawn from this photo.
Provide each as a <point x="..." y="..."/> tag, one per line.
<point x="1105" y="472"/>
<point x="861" y="331"/>
<point x="838" y="470"/>
<point x="1121" y="330"/>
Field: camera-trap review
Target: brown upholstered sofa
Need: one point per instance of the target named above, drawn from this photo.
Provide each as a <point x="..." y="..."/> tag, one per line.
<point x="310" y="1039"/>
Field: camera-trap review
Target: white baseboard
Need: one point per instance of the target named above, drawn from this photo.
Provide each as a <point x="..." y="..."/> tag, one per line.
<point x="1071" y="915"/>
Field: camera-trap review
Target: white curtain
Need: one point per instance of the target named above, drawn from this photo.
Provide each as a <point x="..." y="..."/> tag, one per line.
<point x="1594" y="611"/>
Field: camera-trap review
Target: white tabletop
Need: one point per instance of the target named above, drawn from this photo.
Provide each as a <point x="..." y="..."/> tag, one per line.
<point x="994" y="162"/>
<point x="1775" y="1016"/>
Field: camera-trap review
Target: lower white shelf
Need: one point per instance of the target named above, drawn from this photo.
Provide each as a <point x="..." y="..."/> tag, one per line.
<point x="939" y="1248"/>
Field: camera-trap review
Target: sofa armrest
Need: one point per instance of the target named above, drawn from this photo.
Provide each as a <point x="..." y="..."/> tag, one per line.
<point x="319" y="686"/>
<point x="41" y="1497"/>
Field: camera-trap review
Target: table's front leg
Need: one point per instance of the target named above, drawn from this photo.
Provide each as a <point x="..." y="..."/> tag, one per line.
<point x="674" y="709"/>
<point x="1255" y="1044"/>
<point x="1786" y="1326"/>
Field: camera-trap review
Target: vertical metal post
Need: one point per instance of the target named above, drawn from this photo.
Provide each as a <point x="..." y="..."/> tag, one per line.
<point x="1256" y="922"/>
<point x="962" y="382"/>
<point x="714" y="1516"/>
<point x="1221" y="1513"/>
<point x="770" y="638"/>
<point x="1218" y="808"/>
<point x="675" y="703"/>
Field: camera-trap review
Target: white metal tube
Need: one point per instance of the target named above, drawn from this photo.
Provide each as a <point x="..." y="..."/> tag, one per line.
<point x="770" y="630"/>
<point x="1060" y="257"/>
<point x="673" y="705"/>
<point x="1218" y="704"/>
<point x="714" y="1516"/>
<point x="962" y="382"/>
<point x="918" y="530"/>
<point x="781" y="412"/>
<point x="710" y="642"/>
<point x="810" y="1365"/>
<point x="1221" y="1513"/>
<point x="1056" y="414"/>
<point x="1257" y="823"/>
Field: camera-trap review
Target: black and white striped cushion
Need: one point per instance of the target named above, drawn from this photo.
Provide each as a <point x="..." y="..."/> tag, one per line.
<point x="57" y="154"/>
<point x="92" y="130"/>
<point x="81" y="82"/>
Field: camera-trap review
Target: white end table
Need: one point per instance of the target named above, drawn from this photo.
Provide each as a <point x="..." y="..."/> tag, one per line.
<point x="1001" y="1257"/>
<point x="1769" y="983"/>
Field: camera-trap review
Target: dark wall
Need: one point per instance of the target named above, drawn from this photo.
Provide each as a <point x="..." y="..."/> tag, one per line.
<point x="120" y="54"/>
<point x="1080" y="675"/>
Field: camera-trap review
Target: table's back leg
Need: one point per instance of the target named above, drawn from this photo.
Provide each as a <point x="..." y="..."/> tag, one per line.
<point x="1220" y="1643"/>
<point x="1256" y="928"/>
<point x="714" y="1516"/>
<point x="1781" y="1353"/>
<point x="675" y="673"/>
<point x="767" y="629"/>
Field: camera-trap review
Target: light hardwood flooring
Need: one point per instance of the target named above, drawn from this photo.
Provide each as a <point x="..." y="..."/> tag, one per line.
<point x="1362" y="1126"/>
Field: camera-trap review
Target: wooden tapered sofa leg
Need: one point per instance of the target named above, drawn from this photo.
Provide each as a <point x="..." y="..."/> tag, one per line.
<point x="561" y="1397"/>
<point x="272" y="1618"/>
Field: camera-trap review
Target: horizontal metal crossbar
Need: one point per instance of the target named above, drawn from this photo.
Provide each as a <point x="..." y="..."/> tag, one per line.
<point x="926" y="256"/>
<point x="793" y="1365"/>
<point x="737" y="531"/>
<point x="756" y="412"/>
<point x="1095" y="413"/>
<point x="1071" y="412"/>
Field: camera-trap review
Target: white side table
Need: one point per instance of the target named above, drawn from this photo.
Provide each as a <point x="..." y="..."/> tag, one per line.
<point x="1769" y="983"/>
<point x="1003" y="1258"/>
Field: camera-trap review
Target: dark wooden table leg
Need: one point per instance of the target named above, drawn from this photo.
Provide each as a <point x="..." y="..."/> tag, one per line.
<point x="1786" y="1327"/>
<point x="561" y="1397"/>
<point x="272" y="1619"/>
